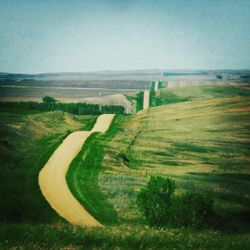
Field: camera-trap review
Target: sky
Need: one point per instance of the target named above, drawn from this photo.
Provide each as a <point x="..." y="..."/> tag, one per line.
<point x="39" y="36"/>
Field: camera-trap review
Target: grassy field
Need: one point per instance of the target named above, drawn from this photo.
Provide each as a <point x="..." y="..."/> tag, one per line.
<point x="27" y="142"/>
<point x="201" y="139"/>
<point x="64" y="94"/>
<point x="199" y="136"/>
<point x="57" y="236"/>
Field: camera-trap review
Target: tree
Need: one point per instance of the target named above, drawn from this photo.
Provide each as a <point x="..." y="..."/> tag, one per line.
<point x="49" y="99"/>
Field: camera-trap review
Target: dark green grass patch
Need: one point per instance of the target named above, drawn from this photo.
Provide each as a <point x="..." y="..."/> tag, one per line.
<point x="160" y="85"/>
<point x="165" y="97"/>
<point x="28" y="236"/>
<point x="139" y="101"/>
<point x="172" y="163"/>
<point x="188" y="146"/>
<point x="235" y="182"/>
<point x="230" y="191"/>
<point x="87" y="123"/>
<point x="228" y="91"/>
<point x="152" y="88"/>
<point x="22" y="197"/>
<point x="26" y="143"/>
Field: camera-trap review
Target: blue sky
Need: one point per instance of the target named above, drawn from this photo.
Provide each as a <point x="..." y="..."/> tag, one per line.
<point x="66" y="36"/>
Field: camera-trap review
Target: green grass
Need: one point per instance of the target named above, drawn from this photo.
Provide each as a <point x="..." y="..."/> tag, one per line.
<point x="160" y="85"/>
<point x="87" y="122"/>
<point x="139" y="101"/>
<point x="21" y="195"/>
<point x="200" y="139"/>
<point x="27" y="141"/>
<point x="163" y="97"/>
<point x="119" y="237"/>
<point x="19" y="111"/>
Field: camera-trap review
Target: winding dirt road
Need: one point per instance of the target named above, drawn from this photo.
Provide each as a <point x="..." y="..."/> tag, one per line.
<point x="52" y="178"/>
<point x="156" y="85"/>
<point x="146" y="99"/>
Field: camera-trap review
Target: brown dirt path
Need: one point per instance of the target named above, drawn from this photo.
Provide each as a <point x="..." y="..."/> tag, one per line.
<point x="52" y="178"/>
<point x="146" y="99"/>
<point x="156" y="85"/>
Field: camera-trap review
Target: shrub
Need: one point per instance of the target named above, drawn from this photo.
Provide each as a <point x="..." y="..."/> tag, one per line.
<point x="191" y="210"/>
<point x="161" y="207"/>
<point x="152" y="86"/>
<point x="155" y="200"/>
<point x="160" y="85"/>
<point x="48" y="99"/>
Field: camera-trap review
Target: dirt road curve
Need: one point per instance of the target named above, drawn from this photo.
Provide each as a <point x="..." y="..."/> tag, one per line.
<point x="156" y="85"/>
<point x="146" y="99"/>
<point x="52" y="178"/>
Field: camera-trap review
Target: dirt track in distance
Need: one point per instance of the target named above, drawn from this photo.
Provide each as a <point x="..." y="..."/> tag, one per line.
<point x="146" y="99"/>
<point x="156" y="85"/>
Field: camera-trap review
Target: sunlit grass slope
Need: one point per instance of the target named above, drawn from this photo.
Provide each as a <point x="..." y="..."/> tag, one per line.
<point x="201" y="139"/>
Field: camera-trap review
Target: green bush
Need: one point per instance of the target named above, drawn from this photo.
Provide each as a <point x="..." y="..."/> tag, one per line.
<point x="155" y="201"/>
<point x="161" y="207"/>
<point x="191" y="210"/>
<point x="160" y="85"/>
<point x="48" y="99"/>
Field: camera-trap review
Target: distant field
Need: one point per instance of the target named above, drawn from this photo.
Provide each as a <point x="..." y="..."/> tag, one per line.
<point x="65" y="94"/>
<point x="91" y="77"/>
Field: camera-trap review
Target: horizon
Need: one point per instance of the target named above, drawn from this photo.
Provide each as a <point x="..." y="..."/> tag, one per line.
<point x="128" y="70"/>
<point x="60" y="36"/>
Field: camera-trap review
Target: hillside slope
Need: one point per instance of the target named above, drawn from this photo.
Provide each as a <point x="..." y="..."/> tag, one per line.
<point x="201" y="139"/>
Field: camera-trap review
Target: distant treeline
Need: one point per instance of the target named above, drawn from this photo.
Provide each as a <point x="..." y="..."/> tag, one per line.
<point x="184" y="73"/>
<point x="73" y="108"/>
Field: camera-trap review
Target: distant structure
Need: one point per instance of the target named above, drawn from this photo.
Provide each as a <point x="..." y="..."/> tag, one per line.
<point x="245" y="76"/>
<point x="100" y="93"/>
<point x="162" y="76"/>
<point x="227" y="76"/>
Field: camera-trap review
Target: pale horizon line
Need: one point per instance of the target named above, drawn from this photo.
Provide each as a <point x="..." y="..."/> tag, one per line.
<point x="126" y="70"/>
